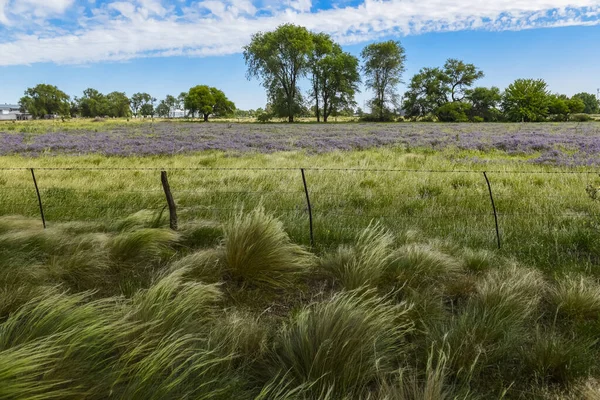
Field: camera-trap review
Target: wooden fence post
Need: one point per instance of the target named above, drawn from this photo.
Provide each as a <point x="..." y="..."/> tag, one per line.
<point x="310" y="216"/>
<point x="170" y="201"/>
<point x="37" y="190"/>
<point x="493" y="208"/>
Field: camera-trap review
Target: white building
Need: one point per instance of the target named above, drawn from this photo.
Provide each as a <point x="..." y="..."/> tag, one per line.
<point x="11" y="112"/>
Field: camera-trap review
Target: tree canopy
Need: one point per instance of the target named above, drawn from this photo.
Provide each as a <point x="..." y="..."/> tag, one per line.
<point x="208" y="101"/>
<point x="526" y="100"/>
<point x="383" y="68"/>
<point x="280" y="58"/>
<point x="591" y="103"/>
<point x="43" y="100"/>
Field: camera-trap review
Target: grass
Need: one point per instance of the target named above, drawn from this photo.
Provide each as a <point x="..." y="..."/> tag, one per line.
<point x="404" y="295"/>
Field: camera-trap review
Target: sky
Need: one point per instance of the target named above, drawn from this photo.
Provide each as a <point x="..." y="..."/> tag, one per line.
<point x="165" y="47"/>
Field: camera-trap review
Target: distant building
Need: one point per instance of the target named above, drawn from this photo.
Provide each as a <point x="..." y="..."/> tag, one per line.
<point x="11" y="112"/>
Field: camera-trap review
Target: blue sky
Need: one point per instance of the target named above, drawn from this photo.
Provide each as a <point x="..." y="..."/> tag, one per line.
<point x="165" y="47"/>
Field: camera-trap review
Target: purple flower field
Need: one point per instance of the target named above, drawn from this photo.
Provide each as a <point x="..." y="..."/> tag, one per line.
<point x="568" y="144"/>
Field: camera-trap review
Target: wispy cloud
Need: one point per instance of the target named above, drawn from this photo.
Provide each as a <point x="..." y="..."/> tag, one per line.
<point x="122" y="30"/>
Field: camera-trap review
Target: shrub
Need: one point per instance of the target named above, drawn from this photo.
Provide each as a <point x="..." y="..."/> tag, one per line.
<point x="581" y="117"/>
<point x="363" y="264"/>
<point x="356" y="330"/>
<point x="453" y="112"/>
<point x="264" y="118"/>
<point x="258" y="251"/>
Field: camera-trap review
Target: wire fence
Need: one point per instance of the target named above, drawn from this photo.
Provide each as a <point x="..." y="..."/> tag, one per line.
<point x="318" y="203"/>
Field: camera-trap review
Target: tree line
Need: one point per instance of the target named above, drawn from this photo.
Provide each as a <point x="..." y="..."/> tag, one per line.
<point x="200" y="101"/>
<point x="284" y="58"/>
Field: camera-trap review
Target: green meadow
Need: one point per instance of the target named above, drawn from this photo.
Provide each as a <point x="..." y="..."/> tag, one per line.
<point x="404" y="295"/>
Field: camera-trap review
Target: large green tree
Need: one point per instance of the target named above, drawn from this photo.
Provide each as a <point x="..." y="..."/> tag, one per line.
<point x="460" y="76"/>
<point x="427" y="91"/>
<point x="43" y="100"/>
<point x="280" y="59"/>
<point x="208" y="101"/>
<point x="592" y="104"/>
<point x="93" y="104"/>
<point x="118" y="105"/>
<point x="526" y="100"/>
<point x="383" y="68"/>
<point x="484" y="102"/>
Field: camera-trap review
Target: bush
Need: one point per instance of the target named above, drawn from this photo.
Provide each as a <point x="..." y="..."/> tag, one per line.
<point x="343" y="344"/>
<point x="477" y="119"/>
<point x="264" y="118"/>
<point x="580" y="118"/>
<point x="453" y="112"/>
<point x="258" y="251"/>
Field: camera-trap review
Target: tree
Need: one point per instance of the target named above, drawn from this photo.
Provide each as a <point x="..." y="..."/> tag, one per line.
<point x="118" y="105"/>
<point x="484" y="102"/>
<point x="138" y="100"/>
<point x="383" y="67"/>
<point x="460" y="76"/>
<point x="208" y="100"/>
<point x="93" y="104"/>
<point x="43" y="100"/>
<point x="322" y="46"/>
<point x="163" y="110"/>
<point x="576" y="105"/>
<point x="280" y="58"/>
<point x="427" y="91"/>
<point x="591" y="103"/>
<point x="526" y="100"/>
<point x="558" y="107"/>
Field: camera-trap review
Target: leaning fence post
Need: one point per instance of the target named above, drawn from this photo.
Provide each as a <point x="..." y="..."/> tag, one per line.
<point x="310" y="217"/>
<point x="493" y="208"/>
<point x="170" y="201"/>
<point x="37" y="190"/>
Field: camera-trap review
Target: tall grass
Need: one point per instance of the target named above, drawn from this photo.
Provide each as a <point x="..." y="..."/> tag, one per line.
<point x="258" y="251"/>
<point x="342" y="344"/>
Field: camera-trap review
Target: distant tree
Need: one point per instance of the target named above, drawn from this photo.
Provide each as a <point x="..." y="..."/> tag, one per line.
<point x="93" y="104"/>
<point x="526" y="100"/>
<point x="138" y="100"/>
<point x="427" y="91"/>
<point x="484" y="102"/>
<point x="460" y="76"/>
<point x="558" y="107"/>
<point x="322" y="46"/>
<point x="338" y="76"/>
<point x="147" y="110"/>
<point x="280" y="59"/>
<point x="591" y="103"/>
<point x="163" y="110"/>
<point x="43" y="100"/>
<point x="383" y="67"/>
<point x="208" y="101"/>
<point x="118" y="105"/>
<point x="181" y="101"/>
<point x="74" y="107"/>
<point x="576" y="105"/>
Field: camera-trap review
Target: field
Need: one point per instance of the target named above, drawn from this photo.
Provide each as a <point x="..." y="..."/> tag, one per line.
<point x="404" y="294"/>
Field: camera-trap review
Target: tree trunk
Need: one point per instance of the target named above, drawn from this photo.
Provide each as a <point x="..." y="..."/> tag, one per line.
<point x="290" y="118"/>
<point x="205" y="117"/>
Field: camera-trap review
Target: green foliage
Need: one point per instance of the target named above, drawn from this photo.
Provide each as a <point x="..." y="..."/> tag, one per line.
<point x="264" y="117"/>
<point x="280" y="58"/>
<point x="383" y="68"/>
<point x="453" y="112"/>
<point x="485" y="102"/>
<point x="358" y="330"/>
<point x="526" y="100"/>
<point x="43" y="100"/>
<point x="459" y="77"/>
<point x="591" y="103"/>
<point x="208" y="101"/>
<point x="258" y="251"/>
<point x="140" y="100"/>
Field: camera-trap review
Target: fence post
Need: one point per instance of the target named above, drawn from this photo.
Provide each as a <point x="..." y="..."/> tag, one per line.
<point x="170" y="201"/>
<point x="37" y="190"/>
<point x="493" y="207"/>
<point x="310" y="217"/>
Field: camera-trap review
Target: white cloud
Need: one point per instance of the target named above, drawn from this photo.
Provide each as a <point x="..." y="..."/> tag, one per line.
<point x="145" y="28"/>
<point x="39" y="8"/>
